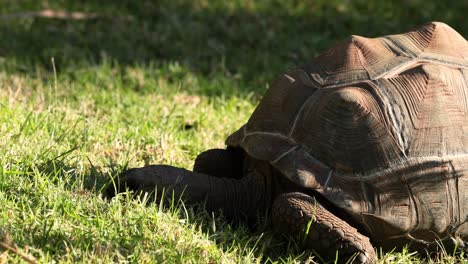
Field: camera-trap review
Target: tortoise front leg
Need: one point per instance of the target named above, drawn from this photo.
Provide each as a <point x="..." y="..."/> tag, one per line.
<point x="228" y="163"/>
<point x="237" y="198"/>
<point x="303" y="217"/>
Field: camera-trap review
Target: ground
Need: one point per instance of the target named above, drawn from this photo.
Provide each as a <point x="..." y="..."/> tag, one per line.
<point x="86" y="95"/>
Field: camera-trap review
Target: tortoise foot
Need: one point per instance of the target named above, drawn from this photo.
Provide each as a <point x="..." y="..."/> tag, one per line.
<point x="148" y="179"/>
<point x="303" y="217"/>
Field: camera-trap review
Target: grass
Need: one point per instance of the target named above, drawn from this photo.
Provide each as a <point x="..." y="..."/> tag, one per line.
<point x="152" y="82"/>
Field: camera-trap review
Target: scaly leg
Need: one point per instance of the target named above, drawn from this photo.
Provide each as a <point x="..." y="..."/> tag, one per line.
<point x="237" y="198"/>
<point x="301" y="216"/>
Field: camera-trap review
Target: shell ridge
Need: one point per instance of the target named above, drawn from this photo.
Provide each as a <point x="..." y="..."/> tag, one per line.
<point x="307" y="81"/>
<point x="244" y="132"/>
<point x="284" y="154"/>
<point x="267" y="133"/>
<point x="373" y="175"/>
<point x="360" y="55"/>
<point x="330" y="173"/>
<point x="401" y="49"/>
<point x="291" y="79"/>
<point x="311" y="98"/>
<point x="387" y="41"/>
<point x="416" y="207"/>
<point x="394" y="166"/>
<point x="395" y="124"/>
<point x="457" y="192"/>
<point x="390" y="72"/>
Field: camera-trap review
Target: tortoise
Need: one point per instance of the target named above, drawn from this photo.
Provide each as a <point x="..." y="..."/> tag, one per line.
<point x="366" y="145"/>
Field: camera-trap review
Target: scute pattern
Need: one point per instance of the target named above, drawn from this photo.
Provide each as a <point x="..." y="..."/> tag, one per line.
<point x="411" y="93"/>
<point x="286" y="96"/>
<point x="379" y="127"/>
<point x="431" y="102"/>
<point x="345" y="123"/>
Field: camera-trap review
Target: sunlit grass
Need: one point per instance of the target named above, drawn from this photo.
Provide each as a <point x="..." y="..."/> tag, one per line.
<point x="60" y="144"/>
<point x="151" y="82"/>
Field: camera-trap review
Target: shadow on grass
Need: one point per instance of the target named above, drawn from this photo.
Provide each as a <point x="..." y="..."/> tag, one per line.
<point x="250" y="239"/>
<point x="249" y="42"/>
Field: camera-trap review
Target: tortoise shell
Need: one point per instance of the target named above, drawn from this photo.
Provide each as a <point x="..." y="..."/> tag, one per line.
<point x="377" y="126"/>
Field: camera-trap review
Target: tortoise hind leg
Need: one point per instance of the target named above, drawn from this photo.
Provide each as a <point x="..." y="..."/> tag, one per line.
<point x="303" y="217"/>
<point x="227" y="163"/>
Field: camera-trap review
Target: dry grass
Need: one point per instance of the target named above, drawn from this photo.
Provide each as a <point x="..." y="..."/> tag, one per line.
<point x="161" y="87"/>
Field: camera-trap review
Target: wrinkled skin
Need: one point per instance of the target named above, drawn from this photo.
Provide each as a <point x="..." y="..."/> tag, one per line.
<point x="242" y="187"/>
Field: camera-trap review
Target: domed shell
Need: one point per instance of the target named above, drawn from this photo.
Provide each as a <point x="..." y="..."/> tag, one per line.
<point x="371" y="123"/>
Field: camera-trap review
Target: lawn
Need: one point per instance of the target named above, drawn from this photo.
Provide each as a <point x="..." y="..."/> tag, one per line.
<point x="123" y="85"/>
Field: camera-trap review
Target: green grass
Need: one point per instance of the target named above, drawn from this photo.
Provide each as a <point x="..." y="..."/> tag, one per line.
<point x="152" y="82"/>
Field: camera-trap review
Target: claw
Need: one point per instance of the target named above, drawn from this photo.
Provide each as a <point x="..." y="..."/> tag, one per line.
<point x="328" y="233"/>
